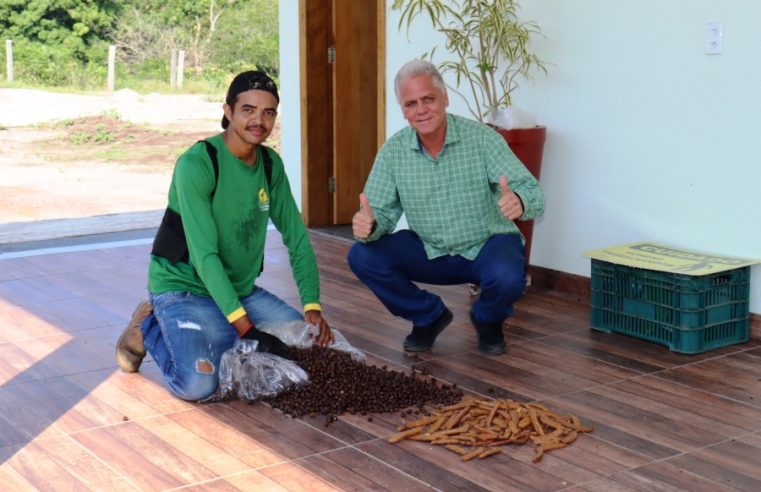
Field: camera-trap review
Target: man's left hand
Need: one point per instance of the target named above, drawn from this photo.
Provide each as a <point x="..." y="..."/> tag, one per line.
<point x="509" y="204"/>
<point x="314" y="317"/>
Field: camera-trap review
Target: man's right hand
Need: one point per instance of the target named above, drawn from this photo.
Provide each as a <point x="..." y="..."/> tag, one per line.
<point x="267" y="343"/>
<point x="362" y="223"/>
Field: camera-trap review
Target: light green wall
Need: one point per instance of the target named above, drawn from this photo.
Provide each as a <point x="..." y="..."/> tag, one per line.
<point x="290" y="94"/>
<point x="648" y="137"/>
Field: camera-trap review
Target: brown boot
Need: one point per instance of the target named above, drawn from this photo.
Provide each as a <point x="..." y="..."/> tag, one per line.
<point x="129" y="349"/>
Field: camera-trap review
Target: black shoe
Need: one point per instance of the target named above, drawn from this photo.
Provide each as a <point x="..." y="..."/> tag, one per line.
<point x="422" y="337"/>
<point x="490" y="338"/>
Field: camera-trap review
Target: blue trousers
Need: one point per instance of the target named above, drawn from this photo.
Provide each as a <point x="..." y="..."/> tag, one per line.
<point x="187" y="334"/>
<point x="391" y="265"/>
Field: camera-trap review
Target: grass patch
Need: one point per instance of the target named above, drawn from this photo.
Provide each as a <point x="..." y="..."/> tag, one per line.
<point x="106" y="128"/>
<point x="109" y="138"/>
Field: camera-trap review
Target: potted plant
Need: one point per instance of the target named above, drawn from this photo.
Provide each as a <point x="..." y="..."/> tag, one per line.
<point x="489" y="50"/>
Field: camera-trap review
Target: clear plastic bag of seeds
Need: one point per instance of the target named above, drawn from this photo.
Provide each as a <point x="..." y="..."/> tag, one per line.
<point x="248" y="374"/>
<point x="303" y="335"/>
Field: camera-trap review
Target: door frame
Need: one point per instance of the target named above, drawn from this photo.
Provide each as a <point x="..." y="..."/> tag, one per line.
<point x="315" y="37"/>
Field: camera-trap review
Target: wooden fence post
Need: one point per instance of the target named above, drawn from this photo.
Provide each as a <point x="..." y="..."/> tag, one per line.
<point x="111" y="67"/>
<point x="173" y="69"/>
<point x="9" y="59"/>
<point x="180" y="68"/>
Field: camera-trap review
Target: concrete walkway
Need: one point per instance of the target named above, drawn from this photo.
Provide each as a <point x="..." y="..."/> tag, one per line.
<point x="22" y="107"/>
<point x="22" y="232"/>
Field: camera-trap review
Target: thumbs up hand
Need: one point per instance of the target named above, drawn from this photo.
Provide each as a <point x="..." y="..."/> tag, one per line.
<point x="362" y="222"/>
<point x="509" y="203"/>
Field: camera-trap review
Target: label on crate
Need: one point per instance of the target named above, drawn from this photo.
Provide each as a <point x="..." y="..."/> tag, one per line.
<point x="653" y="256"/>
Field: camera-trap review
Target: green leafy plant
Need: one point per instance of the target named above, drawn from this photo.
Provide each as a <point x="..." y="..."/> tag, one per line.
<point x="64" y="123"/>
<point x="490" y="47"/>
<point x="80" y="138"/>
<point x="102" y="135"/>
<point x="111" y="114"/>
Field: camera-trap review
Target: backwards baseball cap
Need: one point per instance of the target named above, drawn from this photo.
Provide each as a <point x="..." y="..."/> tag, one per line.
<point x="246" y="81"/>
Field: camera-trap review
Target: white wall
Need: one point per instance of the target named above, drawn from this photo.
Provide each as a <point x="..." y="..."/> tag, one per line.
<point x="290" y="94"/>
<point x="648" y="137"/>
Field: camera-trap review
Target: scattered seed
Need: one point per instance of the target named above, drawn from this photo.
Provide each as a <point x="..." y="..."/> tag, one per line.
<point x="339" y="384"/>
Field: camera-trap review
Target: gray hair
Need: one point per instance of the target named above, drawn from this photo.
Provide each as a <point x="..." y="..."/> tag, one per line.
<point x="416" y="68"/>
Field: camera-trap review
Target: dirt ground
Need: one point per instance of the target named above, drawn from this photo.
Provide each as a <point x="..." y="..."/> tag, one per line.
<point x="49" y="173"/>
<point x="73" y="156"/>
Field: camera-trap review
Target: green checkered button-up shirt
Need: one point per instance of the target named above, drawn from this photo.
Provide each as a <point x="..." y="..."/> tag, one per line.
<point x="451" y="201"/>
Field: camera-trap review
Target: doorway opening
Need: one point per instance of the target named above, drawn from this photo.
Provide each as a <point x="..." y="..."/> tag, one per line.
<point x="342" y="107"/>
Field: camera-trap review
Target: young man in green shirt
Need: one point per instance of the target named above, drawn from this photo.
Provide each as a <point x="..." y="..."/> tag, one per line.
<point x="210" y="250"/>
<point x="461" y="188"/>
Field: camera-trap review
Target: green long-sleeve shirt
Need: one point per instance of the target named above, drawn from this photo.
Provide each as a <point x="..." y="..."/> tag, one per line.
<point x="226" y="235"/>
<point x="450" y="201"/>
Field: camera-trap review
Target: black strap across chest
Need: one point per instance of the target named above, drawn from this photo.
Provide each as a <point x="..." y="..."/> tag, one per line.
<point x="170" y="241"/>
<point x="212" y="151"/>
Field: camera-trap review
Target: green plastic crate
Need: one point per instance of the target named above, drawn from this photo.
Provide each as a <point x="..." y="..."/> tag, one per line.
<point x="689" y="314"/>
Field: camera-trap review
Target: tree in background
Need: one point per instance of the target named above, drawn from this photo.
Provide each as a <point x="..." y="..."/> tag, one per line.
<point x="220" y="38"/>
<point x="54" y="37"/>
<point x="140" y="36"/>
<point x="247" y="35"/>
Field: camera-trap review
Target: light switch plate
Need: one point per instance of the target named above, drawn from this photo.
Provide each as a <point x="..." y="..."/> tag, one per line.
<point x="714" y="38"/>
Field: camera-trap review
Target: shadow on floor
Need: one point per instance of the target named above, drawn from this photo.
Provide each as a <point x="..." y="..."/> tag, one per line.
<point x="341" y="231"/>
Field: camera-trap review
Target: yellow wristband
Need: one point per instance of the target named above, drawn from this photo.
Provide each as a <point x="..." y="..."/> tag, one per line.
<point x="312" y="307"/>
<point x="238" y="313"/>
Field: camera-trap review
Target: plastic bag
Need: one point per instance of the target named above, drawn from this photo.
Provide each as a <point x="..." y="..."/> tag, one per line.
<point x="510" y="118"/>
<point x="302" y="335"/>
<point x="249" y="375"/>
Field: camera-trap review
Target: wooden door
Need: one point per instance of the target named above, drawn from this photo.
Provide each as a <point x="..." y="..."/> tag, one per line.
<point x="342" y="66"/>
<point x="355" y="95"/>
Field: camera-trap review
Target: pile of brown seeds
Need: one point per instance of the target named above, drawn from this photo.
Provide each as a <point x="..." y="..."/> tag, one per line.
<point x="340" y="384"/>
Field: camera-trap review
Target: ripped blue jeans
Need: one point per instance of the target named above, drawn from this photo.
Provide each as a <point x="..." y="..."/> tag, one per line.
<point x="187" y="334"/>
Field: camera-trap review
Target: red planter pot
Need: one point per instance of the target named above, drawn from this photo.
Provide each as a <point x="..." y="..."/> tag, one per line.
<point x="528" y="146"/>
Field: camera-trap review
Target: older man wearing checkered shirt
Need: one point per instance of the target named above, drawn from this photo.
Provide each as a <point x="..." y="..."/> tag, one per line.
<point x="461" y="188"/>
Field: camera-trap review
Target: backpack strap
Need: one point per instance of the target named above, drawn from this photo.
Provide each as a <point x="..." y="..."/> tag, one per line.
<point x="212" y="151"/>
<point x="170" y="241"/>
<point x="268" y="173"/>
<point x="267" y="165"/>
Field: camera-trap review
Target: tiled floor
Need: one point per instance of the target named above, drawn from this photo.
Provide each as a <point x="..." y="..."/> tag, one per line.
<point x="70" y="420"/>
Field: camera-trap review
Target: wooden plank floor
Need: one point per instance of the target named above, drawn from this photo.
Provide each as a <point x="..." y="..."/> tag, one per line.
<point x="70" y="420"/>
